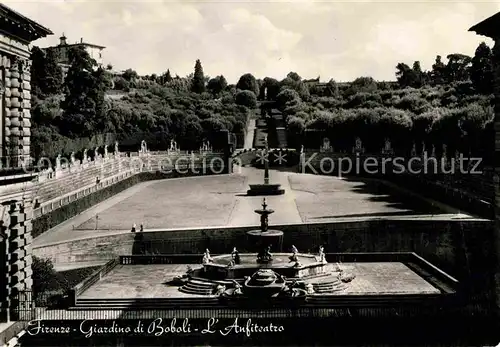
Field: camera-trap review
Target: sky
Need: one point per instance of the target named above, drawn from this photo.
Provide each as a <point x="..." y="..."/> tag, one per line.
<point x="342" y="40"/>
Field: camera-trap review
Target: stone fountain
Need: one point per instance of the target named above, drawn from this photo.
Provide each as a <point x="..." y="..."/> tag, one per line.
<point x="266" y="188"/>
<point x="264" y="274"/>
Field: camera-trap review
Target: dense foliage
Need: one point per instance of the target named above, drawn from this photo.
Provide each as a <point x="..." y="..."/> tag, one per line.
<point x="450" y="104"/>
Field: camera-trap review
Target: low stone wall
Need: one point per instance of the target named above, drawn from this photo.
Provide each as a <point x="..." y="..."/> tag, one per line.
<point x="464" y="249"/>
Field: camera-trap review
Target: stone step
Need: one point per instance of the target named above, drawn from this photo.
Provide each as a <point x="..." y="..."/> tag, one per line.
<point x="196" y="291"/>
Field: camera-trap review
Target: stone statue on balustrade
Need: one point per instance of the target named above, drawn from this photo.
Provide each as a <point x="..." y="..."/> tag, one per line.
<point x="433" y="152"/>
<point x="105" y="151"/>
<point x="58" y="162"/>
<point x="144" y="147"/>
<point x="413" y="152"/>
<point x="85" y="156"/>
<point x="173" y="145"/>
<point x="301" y="149"/>
<point x="387" y="148"/>
<point x="96" y="153"/>
<point x="444" y="156"/>
<point x="325" y="147"/>
<point x="116" y="147"/>
<point x="423" y="148"/>
<point x="458" y="157"/>
<point x="358" y="146"/>
<point x="72" y="158"/>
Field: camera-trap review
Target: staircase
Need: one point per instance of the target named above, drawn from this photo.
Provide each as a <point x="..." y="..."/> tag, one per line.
<point x="197" y="287"/>
<point x="146" y="303"/>
<point x="328" y="286"/>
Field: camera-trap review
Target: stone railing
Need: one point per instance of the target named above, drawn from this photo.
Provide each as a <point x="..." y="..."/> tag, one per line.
<point x="92" y="279"/>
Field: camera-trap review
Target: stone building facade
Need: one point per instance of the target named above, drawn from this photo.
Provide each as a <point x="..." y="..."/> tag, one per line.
<point x="16" y="34"/>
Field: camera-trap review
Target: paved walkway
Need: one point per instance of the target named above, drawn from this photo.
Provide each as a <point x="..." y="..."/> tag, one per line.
<point x="286" y="211"/>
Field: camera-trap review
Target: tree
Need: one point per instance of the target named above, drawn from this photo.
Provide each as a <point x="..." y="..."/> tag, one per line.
<point x="272" y="88"/>
<point x="246" y="98"/>
<point x="248" y="82"/>
<point x="294" y="76"/>
<point x="216" y="85"/>
<point x="109" y="67"/>
<point x="481" y="71"/>
<point x="457" y="68"/>
<point x="287" y="97"/>
<point x="47" y="77"/>
<point x="438" y="73"/>
<point x="331" y="89"/>
<point x="130" y="75"/>
<point x="84" y="98"/>
<point x="166" y="77"/>
<point x="405" y="75"/>
<point x="198" y="82"/>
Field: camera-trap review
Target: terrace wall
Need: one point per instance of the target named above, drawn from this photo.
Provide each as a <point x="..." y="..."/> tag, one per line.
<point x="464" y="249"/>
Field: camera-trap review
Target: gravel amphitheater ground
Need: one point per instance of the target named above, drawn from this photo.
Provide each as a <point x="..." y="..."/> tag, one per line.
<point x="220" y="200"/>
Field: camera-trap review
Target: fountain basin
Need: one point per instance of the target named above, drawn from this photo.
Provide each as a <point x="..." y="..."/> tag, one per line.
<point x="265" y="189"/>
<point x="219" y="267"/>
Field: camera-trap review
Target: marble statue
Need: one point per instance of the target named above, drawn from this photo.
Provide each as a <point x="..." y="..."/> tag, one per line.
<point x="206" y="257"/>
<point x="72" y="158"/>
<point x="444" y="157"/>
<point x="105" y="151"/>
<point x="294" y="249"/>
<point x="173" y="145"/>
<point x="144" y="146"/>
<point x="116" y="147"/>
<point x="58" y="162"/>
<point x="302" y="149"/>
<point x="237" y="288"/>
<point x="220" y="289"/>
<point x="96" y="153"/>
<point x="85" y="156"/>
<point x="457" y="157"/>
<point x="326" y="145"/>
<point x="265" y="255"/>
<point x="321" y="255"/>
<point x="358" y="147"/>
<point x="387" y="147"/>
<point x="309" y="288"/>
<point x="235" y="255"/>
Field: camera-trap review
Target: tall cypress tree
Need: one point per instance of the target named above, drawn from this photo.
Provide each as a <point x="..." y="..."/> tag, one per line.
<point x="198" y="83"/>
<point x="84" y="95"/>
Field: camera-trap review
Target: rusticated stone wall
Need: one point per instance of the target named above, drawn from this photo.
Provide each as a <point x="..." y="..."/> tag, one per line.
<point x="16" y="215"/>
<point x="15" y="79"/>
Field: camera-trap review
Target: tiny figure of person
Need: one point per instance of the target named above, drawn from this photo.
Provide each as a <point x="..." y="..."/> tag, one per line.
<point x="133" y="228"/>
